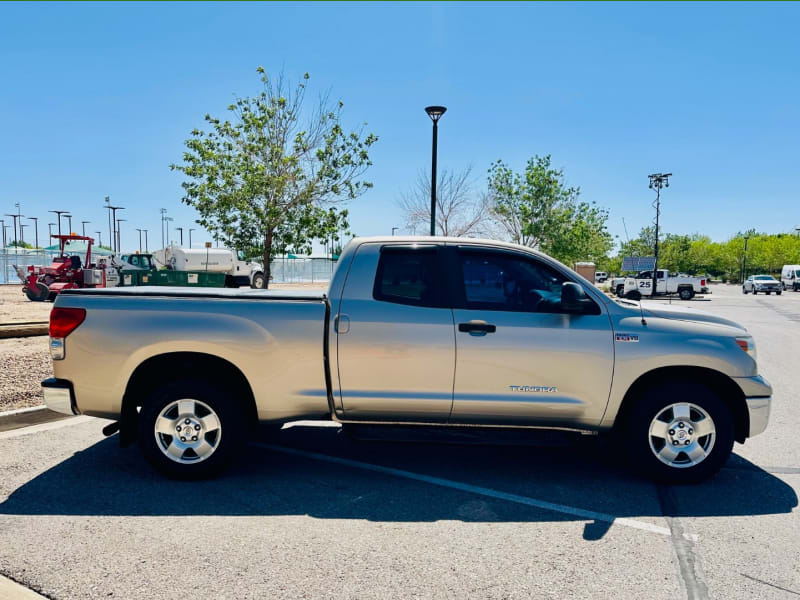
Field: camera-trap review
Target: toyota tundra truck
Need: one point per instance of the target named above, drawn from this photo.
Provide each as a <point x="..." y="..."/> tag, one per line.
<point x="441" y="332"/>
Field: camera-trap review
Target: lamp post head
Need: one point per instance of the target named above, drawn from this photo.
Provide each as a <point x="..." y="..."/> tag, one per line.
<point x="435" y="112"/>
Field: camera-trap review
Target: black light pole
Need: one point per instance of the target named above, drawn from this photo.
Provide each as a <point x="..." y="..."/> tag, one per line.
<point x="22" y="233"/>
<point x="3" y="228"/>
<point x="145" y="241"/>
<point x="50" y="231"/>
<point x="119" y="234"/>
<point x="5" y="237"/>
<point x="59" y="213"/>
<point x="110" y="226"/>
<point x="190" y="237"/>
<point x="36" y="228"/>
<point x="115" y="223"/>
<point x="83" y="227"/>
<point x="69" y="220"/>
<point x="744" y="261"/>
<point x="15" y="217"/>
<point x="657" y="181"/>
<point x="181" y="230"/>
<point x="140" y="238"/>
<point x="99" y="238"/>
<point x="394" y="229"/>
<point x="435" y="113"/>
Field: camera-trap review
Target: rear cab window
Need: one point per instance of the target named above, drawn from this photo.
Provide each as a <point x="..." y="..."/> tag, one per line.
<point x="409" y="275"/>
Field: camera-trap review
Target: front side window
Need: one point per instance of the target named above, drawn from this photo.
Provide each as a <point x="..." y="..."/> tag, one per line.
<point x="408" y="276"/>
<point x="503" y="281"/>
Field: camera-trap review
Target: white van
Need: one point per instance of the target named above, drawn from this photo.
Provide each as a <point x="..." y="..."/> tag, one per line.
<point x="790" y="277"/>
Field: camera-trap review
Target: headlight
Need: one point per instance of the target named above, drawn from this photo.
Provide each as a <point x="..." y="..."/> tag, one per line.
<point x="748" y="345"/>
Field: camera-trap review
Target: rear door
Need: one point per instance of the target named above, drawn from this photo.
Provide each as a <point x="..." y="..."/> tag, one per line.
<point x="521" y="359"/>
<point x="395" y="336"/>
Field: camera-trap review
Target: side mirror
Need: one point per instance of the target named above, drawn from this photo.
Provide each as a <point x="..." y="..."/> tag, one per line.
<point x="574" y="299"/>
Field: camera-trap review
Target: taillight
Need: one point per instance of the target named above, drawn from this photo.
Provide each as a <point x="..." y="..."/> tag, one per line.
<point x="64" y="321"/>
<point x="703" y="282"/>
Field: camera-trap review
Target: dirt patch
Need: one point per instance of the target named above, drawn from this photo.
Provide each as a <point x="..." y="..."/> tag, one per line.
<point x="24" y="362"/>
<point x="16" y="308"/>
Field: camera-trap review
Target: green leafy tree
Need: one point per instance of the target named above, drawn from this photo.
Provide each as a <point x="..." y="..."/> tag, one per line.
<point x="536" y="208"/>
<point x="19" y="244"/>
<point x="267" y="179"/>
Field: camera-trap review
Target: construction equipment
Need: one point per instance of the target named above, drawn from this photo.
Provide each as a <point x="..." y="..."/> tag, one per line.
<point x="142" y="269"/>
<point x="67" y="271"/>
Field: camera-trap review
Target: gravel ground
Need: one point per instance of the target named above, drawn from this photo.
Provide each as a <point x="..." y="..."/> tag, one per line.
<point x="24" y="362"/>
<point x="16" y="308"/>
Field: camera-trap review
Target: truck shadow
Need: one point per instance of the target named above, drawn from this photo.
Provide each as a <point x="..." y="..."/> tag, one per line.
<point x="109" y="481"/>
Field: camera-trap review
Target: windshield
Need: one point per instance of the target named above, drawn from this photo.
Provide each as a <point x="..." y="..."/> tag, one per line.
<point x="763" y="278"/>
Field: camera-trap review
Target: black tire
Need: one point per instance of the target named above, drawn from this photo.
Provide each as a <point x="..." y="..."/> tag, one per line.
<point x="620" y="290"/>
<point x="37" y="294"/>
<point x="258" y="281"/>
<point x="754" y="291"/>
<point x="653" y="402"/>
<point x="768" y="293"/>
<point x="634" y="295"/>
<point x="232" y="431"/>
<point x="778" y="293"/>
<point x="795" y="287"/>
<point x="686" y="294"/>
<point x="744" y="291"/>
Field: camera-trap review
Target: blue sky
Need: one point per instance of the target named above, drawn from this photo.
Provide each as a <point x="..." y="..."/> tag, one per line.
<point x="97" y="99"/>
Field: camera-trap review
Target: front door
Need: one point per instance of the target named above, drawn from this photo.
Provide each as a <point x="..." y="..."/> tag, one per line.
<point x="521" y="359"/>
<point x="395" y="336"/>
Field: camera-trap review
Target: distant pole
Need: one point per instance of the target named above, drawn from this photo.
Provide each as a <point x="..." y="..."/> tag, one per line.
<point x="49" y="231"/>
<point x="5" y="237"/>
<point x="744" y="261"/>
<point x="114" y="225"/>
<point x="83" y="227"/>
<point x="146" y="247"/>
<point x="69" y="220"/>
<point x="394" y="229"/>
<point x="3" y="228"/>
<point x="99" y="238"/>
<point x="15" y="217"/>
<point x="110" y="225"/>
<point x="163" y="212"/>
<point x="435" y="113"/>
<point x="59" y="213"/>
<point x="140" y="238"/>
<point x="657" y="181"/>
<point x="181" y="230"/>
<point x="190" y="237"/>
<point x="36" y="229"/>
<point x="22" y="233"/>
<point x="119" y="234"/>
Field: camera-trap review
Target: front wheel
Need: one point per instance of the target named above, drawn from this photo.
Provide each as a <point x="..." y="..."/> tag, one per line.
<point x="190" y="429"/>
<point x="778" y="293"/>
<point x="634" y="295"/>
<point x="744" y="290"/>
<point x="258" y="281"/>
<point x="679" y="433"/>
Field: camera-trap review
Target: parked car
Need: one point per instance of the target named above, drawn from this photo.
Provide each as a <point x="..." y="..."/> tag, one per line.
<point x="790" y="277"/>
<point x="762" y="283"/>
<point x="600" y="276"/>
<point x="420" y="331"/>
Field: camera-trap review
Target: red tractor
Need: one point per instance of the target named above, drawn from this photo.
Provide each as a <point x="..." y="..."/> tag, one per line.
<point x="66" y="272"/>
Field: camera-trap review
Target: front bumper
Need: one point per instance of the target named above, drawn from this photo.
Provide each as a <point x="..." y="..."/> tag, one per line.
<point x="758" y="398"/>
<point x="59" y="396"/>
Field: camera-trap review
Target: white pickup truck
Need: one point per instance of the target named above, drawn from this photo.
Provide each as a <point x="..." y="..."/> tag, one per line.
<point x="641" y="284"/>
<point x="441" y="332"/>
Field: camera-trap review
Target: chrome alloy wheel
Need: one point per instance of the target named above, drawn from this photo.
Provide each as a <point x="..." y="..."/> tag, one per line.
<point x="188" y="431"/>
<point x="682" y="435"/>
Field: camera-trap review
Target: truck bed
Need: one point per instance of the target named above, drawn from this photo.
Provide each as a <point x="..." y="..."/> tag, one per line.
<point x="182" y="292"/>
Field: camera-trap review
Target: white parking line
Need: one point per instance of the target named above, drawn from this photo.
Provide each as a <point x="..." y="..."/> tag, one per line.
<point x="481" y="491"/>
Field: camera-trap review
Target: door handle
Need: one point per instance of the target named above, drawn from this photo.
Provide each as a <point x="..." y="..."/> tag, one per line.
<point x="477" y="327"/>
<point x="341" y="324"/>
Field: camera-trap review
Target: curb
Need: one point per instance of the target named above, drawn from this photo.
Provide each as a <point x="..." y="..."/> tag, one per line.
<point x="11" y="590"/>
<point x="26" y="417"/>
<point x="18" y="330"/>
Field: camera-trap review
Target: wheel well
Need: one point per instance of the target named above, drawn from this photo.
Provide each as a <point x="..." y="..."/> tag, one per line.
<point x="728" y="391"/>
<point x="161" y="369"/>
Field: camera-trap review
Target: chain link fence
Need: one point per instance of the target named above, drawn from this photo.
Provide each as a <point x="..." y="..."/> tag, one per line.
<point x="23" y="258"/>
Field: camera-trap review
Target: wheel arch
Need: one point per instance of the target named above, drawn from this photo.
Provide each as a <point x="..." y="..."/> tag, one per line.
<point x="173" y="366"/>
<point x="729" y="392"/>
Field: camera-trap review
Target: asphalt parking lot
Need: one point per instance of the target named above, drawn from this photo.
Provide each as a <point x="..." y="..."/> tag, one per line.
<point x="314" y="513"/>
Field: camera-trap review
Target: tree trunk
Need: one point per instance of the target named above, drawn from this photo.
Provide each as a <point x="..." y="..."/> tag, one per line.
<point x="267" y="259"/>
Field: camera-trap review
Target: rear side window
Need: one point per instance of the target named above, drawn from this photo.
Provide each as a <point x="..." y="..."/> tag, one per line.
<point x="408" y="276"/>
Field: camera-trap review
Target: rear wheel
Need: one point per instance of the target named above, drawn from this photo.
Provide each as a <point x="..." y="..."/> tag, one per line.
<point x="744" y="290"/>
<point x="679" y="433"/>
<point x="778" y="293"/>
<point x="190" y="429"/>
<point x="620" y="290"/>
<point x="795" y="287"/>
<point x="38" y="293"/>
<point x="686" y="293"/>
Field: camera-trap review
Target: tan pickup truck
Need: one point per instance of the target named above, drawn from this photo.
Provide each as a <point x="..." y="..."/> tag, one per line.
<point x="425" y="331"/>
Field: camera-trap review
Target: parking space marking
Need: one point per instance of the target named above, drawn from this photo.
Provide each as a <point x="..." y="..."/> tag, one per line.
<point x="588" y="515"/>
